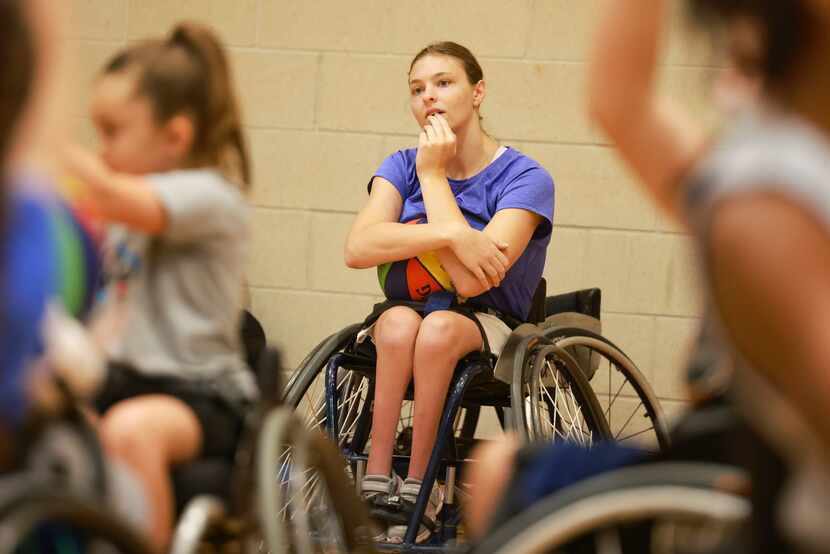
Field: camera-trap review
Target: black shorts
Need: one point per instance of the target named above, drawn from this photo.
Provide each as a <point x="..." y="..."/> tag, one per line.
<point x="221" y="421"/>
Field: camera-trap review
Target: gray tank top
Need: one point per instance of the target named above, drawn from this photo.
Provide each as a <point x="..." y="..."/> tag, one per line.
<point x="785" y="155"/>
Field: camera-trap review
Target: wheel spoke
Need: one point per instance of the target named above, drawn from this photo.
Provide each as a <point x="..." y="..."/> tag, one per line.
<point x="633" y="413"/>
<point x="622" y="387"/>
<point x="632" y="435"/>
<point x="580" y="418"/>
<point x="614" y="399"/>
<point x="567" y="419"/>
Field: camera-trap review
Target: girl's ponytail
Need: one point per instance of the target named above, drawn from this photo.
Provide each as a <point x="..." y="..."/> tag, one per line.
<point x="221" y="140"/>
<point x="188" y="73"/>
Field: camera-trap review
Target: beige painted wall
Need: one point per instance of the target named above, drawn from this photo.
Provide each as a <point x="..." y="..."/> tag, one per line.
<point x="324" y="93"/>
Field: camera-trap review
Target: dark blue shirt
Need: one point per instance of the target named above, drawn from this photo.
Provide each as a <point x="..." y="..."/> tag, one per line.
<point x="27" y="281"/>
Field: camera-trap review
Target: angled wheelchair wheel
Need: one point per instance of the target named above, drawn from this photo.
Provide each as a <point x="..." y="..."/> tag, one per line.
<point x="305" y="390"/>
<point x="666" y="508"/>
<point x="48" y="522"/>
<point x="628" y="402"/>
<point x="306" y="395"/>
<point x="304" y="498"/>
<point x="555" y="401"/>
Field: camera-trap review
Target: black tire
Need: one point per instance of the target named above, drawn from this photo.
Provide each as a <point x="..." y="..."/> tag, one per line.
<point x="634" y="504"/>
<point x="305" y="392"/>
<point x="80" y="517"/>
<point x="570" y="413"/>
<point x="315" y="361"/>
<point x="296" y="493"/>
<point x="618" y="384"/>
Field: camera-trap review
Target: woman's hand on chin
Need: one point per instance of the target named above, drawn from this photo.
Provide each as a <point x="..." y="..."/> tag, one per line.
<point x="436" y="147"/>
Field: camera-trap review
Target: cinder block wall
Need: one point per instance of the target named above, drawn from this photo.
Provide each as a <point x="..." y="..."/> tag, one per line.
<point x="324" y="93"/>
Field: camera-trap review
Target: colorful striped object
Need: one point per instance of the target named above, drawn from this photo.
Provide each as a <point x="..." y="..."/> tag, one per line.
<point x="77" y="240"/>
<point x="415" y="278"/>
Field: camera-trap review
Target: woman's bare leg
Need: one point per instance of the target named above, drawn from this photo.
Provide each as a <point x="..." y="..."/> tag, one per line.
<point x="394" y="335"/>
<point x="443" y="339"/>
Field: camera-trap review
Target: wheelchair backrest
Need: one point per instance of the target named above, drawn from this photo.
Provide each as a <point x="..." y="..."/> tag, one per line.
<point x="537" y="305"/>
<point x="252" y="336"/>
<point x="586" y="301"/>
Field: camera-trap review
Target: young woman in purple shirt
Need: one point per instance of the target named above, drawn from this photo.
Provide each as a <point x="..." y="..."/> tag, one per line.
<point x="487" y="213"/>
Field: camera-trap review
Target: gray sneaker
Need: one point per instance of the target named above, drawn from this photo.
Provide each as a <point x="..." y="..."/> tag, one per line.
<point x="409" y="494"/>
<point x="376" y="490"/>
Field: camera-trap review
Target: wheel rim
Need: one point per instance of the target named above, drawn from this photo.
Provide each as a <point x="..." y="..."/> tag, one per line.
<point x="303" y="506"/>
<point x="630" y="407"/>
<point x="555" y="404"/>
<point x="672" y="519"/>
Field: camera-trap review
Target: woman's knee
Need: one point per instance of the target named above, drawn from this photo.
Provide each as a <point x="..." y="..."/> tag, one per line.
<point x="447" y="335"/>
<point x="397" y="328"/>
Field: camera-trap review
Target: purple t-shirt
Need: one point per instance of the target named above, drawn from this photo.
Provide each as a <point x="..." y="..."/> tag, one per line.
<point x="511" y="181"/>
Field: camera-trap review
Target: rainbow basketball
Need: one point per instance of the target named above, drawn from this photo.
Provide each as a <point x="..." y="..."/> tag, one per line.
<point x="415" y="278"/>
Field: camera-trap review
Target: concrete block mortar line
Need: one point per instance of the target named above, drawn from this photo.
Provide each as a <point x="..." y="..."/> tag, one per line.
<point x="313" y="211"/>
<point x="392" y="134"/>
<point x="532" y="142"/>
<point x="310" y="250"/>
<point x="654" y="315"/>
<point x="318" y="80"/>
<point x="97" y="41"/>
<point x="127" y="21"/>
<point x="500" y="138"/>
<point x="310" y="211"/>
<point x="529" y="27"/>
<point x="271" y="288"/>
<point x="283" y="210"/>
<point x="518" y="142"/>
<point x="654" y="231"/>
<point x="258" y="27"/>
<point x="406" y="56"/>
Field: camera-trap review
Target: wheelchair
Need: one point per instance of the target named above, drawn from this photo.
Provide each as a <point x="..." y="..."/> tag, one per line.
<point x="54" y="497"/>
<point x="239" y="505"/>
<point x="697" y="496"/>
<point x="265" y="506"/>
<point x="662" y="507"/>
<point x="717" y="489"/>
<point x="540" y="387"/>
<point x="57" y="497"/>
<point x="34" y="518"/>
